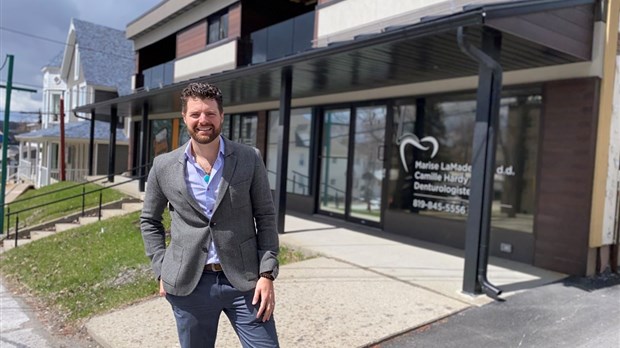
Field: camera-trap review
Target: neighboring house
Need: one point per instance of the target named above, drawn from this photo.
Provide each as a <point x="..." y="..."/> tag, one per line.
<point x="54" y="88"/>
<point x="361" y="80"/>
<point x="77" y="138"/>
<point x="96" y="65"/>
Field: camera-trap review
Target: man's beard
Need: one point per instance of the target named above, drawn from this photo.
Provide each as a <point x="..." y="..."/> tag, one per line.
<point x="205" y="139"/>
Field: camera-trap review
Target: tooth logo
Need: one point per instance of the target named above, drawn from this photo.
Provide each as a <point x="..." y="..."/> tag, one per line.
<point x="412" y="139"/>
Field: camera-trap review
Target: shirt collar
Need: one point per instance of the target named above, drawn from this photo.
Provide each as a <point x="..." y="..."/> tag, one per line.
<point x="188" y="150"/>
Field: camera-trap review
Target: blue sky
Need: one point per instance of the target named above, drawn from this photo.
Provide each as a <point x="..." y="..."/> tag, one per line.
<point x="50" y="19"/>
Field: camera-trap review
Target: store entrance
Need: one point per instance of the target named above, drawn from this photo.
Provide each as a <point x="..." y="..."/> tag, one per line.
<point x="352" y="163"/>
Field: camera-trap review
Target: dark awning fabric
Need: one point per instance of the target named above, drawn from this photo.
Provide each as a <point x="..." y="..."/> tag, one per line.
<point x="534" y="34"/>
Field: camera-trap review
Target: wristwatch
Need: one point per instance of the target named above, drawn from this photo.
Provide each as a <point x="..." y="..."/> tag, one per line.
<point x="267" y="275"/>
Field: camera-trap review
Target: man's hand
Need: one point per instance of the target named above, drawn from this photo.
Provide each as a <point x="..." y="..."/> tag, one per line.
<point x="264" y="292"/>
<point x="162" y="292"/>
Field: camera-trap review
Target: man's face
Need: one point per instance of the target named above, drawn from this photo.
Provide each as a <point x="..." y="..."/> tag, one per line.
<point x="203" y="120"/>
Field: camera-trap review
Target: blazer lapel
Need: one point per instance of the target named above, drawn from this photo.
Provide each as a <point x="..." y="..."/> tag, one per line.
<point x="230" y="162"/>
<point x="183" y="184"/>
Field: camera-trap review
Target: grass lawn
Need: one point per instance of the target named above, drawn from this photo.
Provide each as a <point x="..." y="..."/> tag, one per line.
<point x="60" y="209"/>
<point x="92" y="269"/>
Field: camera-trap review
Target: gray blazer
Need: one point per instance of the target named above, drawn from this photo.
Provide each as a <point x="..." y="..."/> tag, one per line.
<point x="243" y="224"/>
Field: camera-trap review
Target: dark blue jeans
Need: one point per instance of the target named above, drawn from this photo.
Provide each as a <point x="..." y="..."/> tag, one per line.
<point x="197" y="315"/>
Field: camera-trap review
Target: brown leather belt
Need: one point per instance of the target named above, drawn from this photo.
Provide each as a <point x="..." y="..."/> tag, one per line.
<point x="213" y="267"/>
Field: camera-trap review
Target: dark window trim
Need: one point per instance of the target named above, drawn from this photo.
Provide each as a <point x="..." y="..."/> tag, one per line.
<point x="218" y="14"/>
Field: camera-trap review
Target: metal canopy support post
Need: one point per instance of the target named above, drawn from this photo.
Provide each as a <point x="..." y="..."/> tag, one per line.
<point x="144" y="123"/>
<point x="284" y="125"/>
<point x="91" y="143"/>
<point x="483" y="161"/>
<point x="112" y="145"/>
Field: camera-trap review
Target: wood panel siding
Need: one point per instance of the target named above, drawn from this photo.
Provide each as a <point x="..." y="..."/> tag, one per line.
<point x="192" y="39"/>
<point x="234" y="21"/>
<point x="568" y="30"/>
<point x="565" y="174"/>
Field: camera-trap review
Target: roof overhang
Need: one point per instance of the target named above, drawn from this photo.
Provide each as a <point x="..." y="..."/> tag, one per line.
<point x="534" y="34"/>
<point x="67" y="57"/>
<point x="159" y="15"/>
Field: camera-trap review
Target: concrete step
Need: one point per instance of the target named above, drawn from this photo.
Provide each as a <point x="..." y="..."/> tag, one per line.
<point x="65" y="226"/>
<point x="108" y="213"/>
<point x="85" y="220"/>
<point x="131" y="207"/>
<point x="34" y="235"/>
<point x="10" y="244"/>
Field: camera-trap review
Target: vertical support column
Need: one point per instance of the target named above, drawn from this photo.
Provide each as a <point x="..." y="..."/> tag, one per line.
<point x="91" y="143"/>
<point x="5" y="138"/>
<point x="37" y="163"/>
<point x="61" y="157"/>
<point x="144" y="124"/>
<point x="112" y="145"/>
<point x="284" y="125"/>
<point x="483" y="161"/>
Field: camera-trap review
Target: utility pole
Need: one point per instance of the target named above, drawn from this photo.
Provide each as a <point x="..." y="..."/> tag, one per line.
<point x="5" y="133"/>
<point x="5" y="137"/>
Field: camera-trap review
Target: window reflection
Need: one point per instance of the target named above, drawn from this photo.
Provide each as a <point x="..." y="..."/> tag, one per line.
<point x="298" y="174"/>
<point x="439" y="185"/>
<point x="218" y="27"/>
<point x="161" y="133"/>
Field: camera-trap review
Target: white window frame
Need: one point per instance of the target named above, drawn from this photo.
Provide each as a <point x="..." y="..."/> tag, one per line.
<point x="76" y="66"/>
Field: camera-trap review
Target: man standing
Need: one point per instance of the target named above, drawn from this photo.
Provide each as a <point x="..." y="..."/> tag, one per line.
<point x="222" y="255"/>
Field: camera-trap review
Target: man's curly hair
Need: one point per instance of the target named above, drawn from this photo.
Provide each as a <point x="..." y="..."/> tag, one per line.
<point x="202" y="91"/>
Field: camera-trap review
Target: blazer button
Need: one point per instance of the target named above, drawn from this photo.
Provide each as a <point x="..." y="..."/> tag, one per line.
<point x="205" y="250"/>
<point x="213" y="224"/>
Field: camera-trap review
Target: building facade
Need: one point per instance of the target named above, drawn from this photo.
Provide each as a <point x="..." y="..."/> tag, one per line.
<point x="369" y="112"/>
<point x="96" y="65"/>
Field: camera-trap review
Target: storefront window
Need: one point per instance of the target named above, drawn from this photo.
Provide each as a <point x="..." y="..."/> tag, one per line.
<point x="244" y="129"/>
<point x="183" y="135"/>
<point x="431" y="162"/>
<point x="298" y="178"/>
<point x="161" y="133"/>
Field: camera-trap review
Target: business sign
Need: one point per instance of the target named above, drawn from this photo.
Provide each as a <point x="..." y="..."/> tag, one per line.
<point x="437" y="185"/>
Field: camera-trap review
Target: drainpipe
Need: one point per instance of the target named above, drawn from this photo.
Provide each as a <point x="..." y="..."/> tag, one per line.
<point x="483" y="161"/>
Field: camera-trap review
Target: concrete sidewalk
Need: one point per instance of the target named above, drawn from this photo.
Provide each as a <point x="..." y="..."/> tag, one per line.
<point x="364" y="287"/>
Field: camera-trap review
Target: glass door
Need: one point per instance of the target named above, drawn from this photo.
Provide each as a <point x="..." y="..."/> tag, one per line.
<point x="352" y="164"/>
<point x="368" y="166"/>
<point x="334" y="161"/>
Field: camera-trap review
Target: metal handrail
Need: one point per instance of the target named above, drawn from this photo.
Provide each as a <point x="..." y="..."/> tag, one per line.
<point x="293" y="181"/>
<point x="83" y="194"/>
<point x="68" y="187"/>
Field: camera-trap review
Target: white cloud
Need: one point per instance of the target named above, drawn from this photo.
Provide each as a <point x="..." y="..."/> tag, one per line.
<point x="20" y="101"/>
<point x="27" y="19"/>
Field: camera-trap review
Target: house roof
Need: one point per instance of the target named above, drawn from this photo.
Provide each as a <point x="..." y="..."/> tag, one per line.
<point x="534" y="34"/>
<point x="106" y="57"/>
<point x="74" y="131"/>
<point x="55" y="62"/>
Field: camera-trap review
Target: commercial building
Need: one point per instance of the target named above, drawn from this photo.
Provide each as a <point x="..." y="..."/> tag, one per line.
<point x="368" y="110"/>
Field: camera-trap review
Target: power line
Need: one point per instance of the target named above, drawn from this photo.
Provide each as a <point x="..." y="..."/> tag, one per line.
<point x="3" y="64"/>
<point x="61" y="42"/>
<point x="34" y="36"/>
<point x="63" y="90"/>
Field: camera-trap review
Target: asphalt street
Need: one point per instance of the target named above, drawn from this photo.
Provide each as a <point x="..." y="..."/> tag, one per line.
<point x="575" y="312"/>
